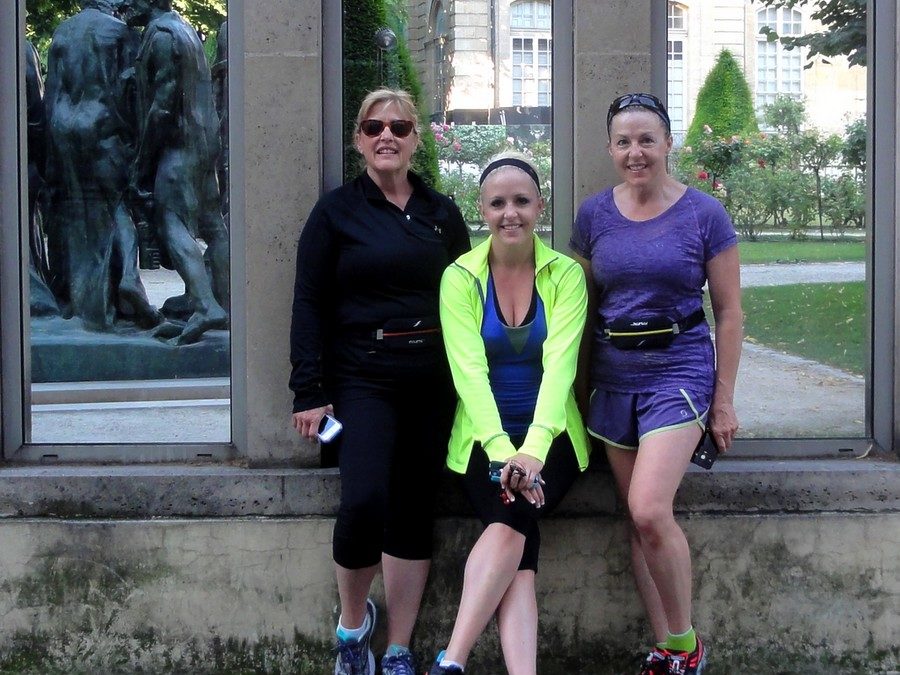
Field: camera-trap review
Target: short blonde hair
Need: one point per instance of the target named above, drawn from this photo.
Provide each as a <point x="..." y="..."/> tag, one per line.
<point x="398" y="97"/>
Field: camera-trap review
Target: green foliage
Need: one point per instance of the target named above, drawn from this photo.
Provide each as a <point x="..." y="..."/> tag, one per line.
<point x="469" y="144"/>
<point x="843" y="29"/>
<point x="204" y="15"/>
<point x="45" y="15"/>
<point x="786" y="114"/>
<point x="844" y="203"/>
<point x="854" y="152"/>
<point x="724" y="104"/>
<point x="817" y="152"/>
<point x="746" y="200"/>
<point x="822" y="322"/>
<point x="366" y="68"/>
<point x="463" y="188"/>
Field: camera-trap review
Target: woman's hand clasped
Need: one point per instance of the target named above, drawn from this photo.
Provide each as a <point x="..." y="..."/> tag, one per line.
<point x="522" y="474"/>
<point x="723" y="424"/>
<point x="306" y="422"/>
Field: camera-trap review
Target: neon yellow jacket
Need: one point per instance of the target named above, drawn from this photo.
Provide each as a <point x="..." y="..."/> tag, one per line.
<point x="561" y="285"/>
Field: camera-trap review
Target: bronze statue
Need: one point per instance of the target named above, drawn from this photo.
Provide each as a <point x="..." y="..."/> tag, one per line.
<point x="92" y="238"/>
<point x="173" y="182"/>
<point x="42" y="302"/>
<point x="220" y="97"/>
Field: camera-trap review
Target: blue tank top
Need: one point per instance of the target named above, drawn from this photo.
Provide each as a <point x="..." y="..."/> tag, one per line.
<point x="514" y="356"/>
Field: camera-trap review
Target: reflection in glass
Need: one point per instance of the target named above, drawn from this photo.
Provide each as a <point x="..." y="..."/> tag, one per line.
<point x="796" y="192"/>
<point x="481" y="78"/>
<point x="129" y="259"/>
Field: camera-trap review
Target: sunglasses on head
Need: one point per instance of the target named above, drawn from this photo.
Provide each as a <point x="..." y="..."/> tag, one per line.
<point x="648" y="101"/>
<point x="399" y="128"/>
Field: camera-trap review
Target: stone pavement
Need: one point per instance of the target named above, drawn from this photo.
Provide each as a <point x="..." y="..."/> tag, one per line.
<point x="778" y="395"/>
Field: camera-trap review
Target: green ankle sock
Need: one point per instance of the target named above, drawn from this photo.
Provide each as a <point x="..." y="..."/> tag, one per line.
<point x="684" y="642"/>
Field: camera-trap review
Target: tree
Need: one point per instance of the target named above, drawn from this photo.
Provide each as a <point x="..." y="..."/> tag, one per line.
<point x="724" y="104"/>
<point x="363" y="72"/>
<point x="855" y="145"/>
<point x="843" y="33"/>
<point x="785" y="114"/>
<point x="45" y="15"/>
<point x="817" y="153"/>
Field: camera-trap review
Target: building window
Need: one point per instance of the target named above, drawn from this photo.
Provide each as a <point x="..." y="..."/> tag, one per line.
<point x="530" y="16"/>
<point x="531" y="53"/>
<point x="437" y="46"/>
<point x="778" y="70"/>
<point x="675" y="87"/>
<point x="675" y="17"/>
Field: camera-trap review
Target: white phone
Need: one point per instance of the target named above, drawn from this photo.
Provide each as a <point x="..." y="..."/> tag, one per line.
<point x="329" y="428"/>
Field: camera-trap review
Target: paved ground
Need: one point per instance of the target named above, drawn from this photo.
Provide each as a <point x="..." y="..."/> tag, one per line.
<point x="778" y="395"/>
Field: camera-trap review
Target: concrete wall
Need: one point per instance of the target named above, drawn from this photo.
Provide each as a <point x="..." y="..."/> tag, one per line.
<point x="217" y="568"/>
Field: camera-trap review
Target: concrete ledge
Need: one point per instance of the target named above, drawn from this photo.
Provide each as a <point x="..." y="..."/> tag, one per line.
<point x="179" y="491"/>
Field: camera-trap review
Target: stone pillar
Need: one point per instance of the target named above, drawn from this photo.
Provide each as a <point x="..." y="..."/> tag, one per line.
<point x="282" y="147"/>
<point x="612" y="56"/>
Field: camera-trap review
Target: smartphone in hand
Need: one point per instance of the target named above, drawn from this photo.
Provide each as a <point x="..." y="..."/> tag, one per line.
<point x="495" y="468"/>
<point x="706" y="452"/>
<point x="329" y="428"/>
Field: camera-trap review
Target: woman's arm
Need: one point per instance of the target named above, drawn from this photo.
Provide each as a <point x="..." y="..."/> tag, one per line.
<point x="583" y="374"/>
<point x="461" y="325"/>
<point x="313" y="294"/>
<point x="565" y="328"/>
<point x="724" y="275"/>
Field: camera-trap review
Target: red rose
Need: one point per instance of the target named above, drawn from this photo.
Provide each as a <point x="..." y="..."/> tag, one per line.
<point x="702" y="175"/>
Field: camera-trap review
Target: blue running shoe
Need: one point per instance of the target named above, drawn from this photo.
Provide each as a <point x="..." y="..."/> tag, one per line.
<point x="354" y="656"/>
<point x="398" y="664"/>
<point x="438" y="669"/>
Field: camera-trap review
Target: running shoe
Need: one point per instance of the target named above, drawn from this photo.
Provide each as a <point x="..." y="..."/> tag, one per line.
<point x="398" y="664"/>
<point x="354" y="656"/>
<point x="656" y="663"/>
<point x="687" y="663"/>
<point x="438" y="669"/>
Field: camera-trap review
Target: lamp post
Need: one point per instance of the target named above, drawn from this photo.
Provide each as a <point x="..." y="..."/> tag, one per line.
<point x="386" y="41"/>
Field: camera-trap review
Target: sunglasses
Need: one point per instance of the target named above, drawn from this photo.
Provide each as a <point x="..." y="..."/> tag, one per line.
<point x="648" y="101"/>
<point x="399" y="128"/>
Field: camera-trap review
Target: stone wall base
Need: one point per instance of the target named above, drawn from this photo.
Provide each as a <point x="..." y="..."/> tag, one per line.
<point x="773" y="594"/>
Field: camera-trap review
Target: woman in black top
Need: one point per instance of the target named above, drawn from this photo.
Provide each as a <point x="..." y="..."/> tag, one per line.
<point x="366" y="347"/>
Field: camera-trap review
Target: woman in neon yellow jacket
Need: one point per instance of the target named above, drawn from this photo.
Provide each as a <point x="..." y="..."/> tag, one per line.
<point x="512" y="314"/>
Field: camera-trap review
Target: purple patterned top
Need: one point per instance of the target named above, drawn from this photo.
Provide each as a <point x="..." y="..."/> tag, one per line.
<point x="652" y="268"/>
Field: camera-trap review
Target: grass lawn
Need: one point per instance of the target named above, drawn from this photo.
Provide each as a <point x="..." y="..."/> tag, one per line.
<point x="822" y="322"/>
<point x="753" y="252"/>
<point x="801" y="251"/>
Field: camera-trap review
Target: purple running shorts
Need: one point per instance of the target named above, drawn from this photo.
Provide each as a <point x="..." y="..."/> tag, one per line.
<point x="622" y="420"/>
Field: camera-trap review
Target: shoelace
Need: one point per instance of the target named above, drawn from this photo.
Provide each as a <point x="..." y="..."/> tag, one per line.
<point x="354" y="657"/>
<point x="656" y="663"/>
<point x="400" y="665"/>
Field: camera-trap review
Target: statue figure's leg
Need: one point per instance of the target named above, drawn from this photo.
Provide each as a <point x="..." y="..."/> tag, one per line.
<point x="188" y="262"/>
<point x="128" y="285"/>
<point x="211" y="228"/>
<point x="89" y="245"/>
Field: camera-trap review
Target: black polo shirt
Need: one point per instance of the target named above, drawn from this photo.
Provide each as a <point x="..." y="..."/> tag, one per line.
<point x="361" y="262"/>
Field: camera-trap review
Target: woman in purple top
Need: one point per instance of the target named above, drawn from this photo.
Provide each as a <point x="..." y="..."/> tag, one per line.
<point x="650" y="244"/>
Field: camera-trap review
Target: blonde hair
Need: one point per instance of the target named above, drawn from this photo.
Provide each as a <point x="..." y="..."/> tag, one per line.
<point x="518" y="156"/>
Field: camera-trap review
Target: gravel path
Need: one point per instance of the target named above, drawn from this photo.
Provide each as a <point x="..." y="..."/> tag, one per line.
<point x="801" y="273"/>
<point x="778" y="395"/>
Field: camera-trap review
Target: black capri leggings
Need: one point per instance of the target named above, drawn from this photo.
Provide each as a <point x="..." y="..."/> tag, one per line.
<point x="390" y="454"/>
<point x="559" y="472"/>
